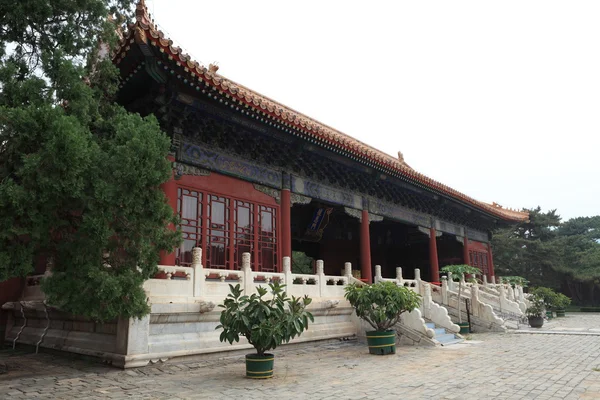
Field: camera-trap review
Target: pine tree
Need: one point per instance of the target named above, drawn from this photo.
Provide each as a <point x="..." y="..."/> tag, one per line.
<point x="530" y="249"/>
<point x="79" y="175"/>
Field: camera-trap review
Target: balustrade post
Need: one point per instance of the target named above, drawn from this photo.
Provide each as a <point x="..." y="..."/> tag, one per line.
<point x="399" y="279"/>
<point x="511" y="293"/>
<point x="198" y="271"/>
<point x="493" y="279"/>
<point x="475" y="301"/>
<point x="450" y="282"/>
<point x="426" y="302"/>
<point x="287" y="272"/>
<point x="485" y="282"/>
<point x="321" y="277"/>
<point x="521" y="295"/>
<point x="418" y="280"/>
<point x="378" y="276"/>
<point x="502" y="295"/>
<point x="444" y="290"/>
<point x="348" y="272"/>
<point x="249" y="287"/>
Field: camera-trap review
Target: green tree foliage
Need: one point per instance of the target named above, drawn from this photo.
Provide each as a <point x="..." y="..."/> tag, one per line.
<point x="301" y="263"/>
<point x="79" y="175"/>
<point x="530" y="249"/>
<point x="579" y="239"/>
<point x="548" y="252"/>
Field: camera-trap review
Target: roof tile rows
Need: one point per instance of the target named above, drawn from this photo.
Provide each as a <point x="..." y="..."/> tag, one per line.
<point x="144" y="29"/>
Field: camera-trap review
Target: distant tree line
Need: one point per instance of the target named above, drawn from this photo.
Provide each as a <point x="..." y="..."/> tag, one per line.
<point x="552" y="253"/>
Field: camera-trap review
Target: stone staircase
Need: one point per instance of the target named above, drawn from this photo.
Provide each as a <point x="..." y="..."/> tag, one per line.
<point x="442" y="336"/>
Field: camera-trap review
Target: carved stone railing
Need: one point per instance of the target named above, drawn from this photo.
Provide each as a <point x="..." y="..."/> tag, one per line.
<point x="504" y="297"/>
<point x="428" y="310"/>
<point x="483" y="314"/>
<point x="182" y="284"/>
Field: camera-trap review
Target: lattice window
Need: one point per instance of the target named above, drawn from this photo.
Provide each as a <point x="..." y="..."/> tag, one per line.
<point x="244" y="231"/>
<point x="267" y="239"/>
<point x="230" y="227"/>
<point x="479" y="259"/>
<point x="189" y="208"/>
<point x="217" y="246"/>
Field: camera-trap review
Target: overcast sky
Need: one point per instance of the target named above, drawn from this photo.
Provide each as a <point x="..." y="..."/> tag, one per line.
<point x="499" y="100"/>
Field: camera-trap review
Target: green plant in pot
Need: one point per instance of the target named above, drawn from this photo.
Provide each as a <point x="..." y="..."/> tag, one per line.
<point x="535" y="311"/>
<point x="265" y="321"/>
<point x="549" y="297"/>
<point x="458" y="272"/>
<point x="561" y="302"/>
<point x="381" y="306"/>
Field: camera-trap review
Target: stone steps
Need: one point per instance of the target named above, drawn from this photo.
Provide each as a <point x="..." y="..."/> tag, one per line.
<point x="442" y="336"/>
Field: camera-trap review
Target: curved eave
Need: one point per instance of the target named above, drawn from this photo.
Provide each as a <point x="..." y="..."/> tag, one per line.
<point x="143" y="33"/>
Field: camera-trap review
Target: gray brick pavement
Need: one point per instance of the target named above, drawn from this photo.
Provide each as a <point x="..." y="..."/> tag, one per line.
<point x="492" y="366"/>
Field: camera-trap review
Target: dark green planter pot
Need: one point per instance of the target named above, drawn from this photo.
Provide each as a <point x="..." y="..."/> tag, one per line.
<point x="464" y="328"/>
<point x="549" y="314"/>
<point x="536" y="322"/>
<point x="259" y="367"/>
<point x="381" y="342"/>
<point x="560" y="313"/>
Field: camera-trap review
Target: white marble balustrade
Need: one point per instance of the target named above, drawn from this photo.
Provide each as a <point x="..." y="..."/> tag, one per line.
<point x="183" y="284"/>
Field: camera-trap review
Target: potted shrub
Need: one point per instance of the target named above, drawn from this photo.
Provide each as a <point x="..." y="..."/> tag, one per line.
<point x="561" y="302"/>
<point x="458" y="272"/>
<point x="548" y="296"/>
<point x="381" y="306"/>
<point x="266" y="322"/>
<point x="535" y="311"/>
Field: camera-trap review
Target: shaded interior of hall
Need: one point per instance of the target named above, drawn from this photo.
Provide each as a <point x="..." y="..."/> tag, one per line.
<point x="327" y="232"/>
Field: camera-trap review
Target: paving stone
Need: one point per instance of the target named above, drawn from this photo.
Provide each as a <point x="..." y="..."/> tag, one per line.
<point x="497" y="366"/>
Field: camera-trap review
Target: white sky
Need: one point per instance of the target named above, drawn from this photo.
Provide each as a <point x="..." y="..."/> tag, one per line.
<point x="499" y="100"/>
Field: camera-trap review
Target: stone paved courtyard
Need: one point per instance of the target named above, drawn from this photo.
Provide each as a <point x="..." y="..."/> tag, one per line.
<point x="498" y="366"/>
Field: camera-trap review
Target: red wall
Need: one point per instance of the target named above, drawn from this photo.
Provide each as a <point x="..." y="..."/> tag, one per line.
<point x="226" y="185"/>
<point x="482" y="248"/>
<point x="221" y="185"/>
<point x="478" y="246"/>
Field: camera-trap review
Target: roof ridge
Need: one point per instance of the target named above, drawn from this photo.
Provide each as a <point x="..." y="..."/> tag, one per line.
<point x="290" y="116"/>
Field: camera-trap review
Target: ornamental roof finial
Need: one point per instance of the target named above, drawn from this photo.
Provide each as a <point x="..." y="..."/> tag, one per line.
<point x="400" y="156"/>
<point x="141" y="13"/>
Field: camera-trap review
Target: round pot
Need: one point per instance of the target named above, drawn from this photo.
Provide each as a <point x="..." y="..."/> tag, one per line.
<point x="536" y="322"/>
<point x="464" y="328"/>
<point x="560" y="312"/>
<point x="259" y="367"/>
<point x="381" y="342"/>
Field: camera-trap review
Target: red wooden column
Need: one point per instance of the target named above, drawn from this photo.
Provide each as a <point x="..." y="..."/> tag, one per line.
<point x="490" y="261"/>
<point x="170" y="189"/>
<point x="466" y="258"/>
<point x="365" y="248"/>
<point x="286" y="223"/>
<point x="433" y="257"/>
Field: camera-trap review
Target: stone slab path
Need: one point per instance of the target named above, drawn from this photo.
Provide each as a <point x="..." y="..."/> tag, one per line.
<point x="489" y="366"/>
<point x="573" y="323"/>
